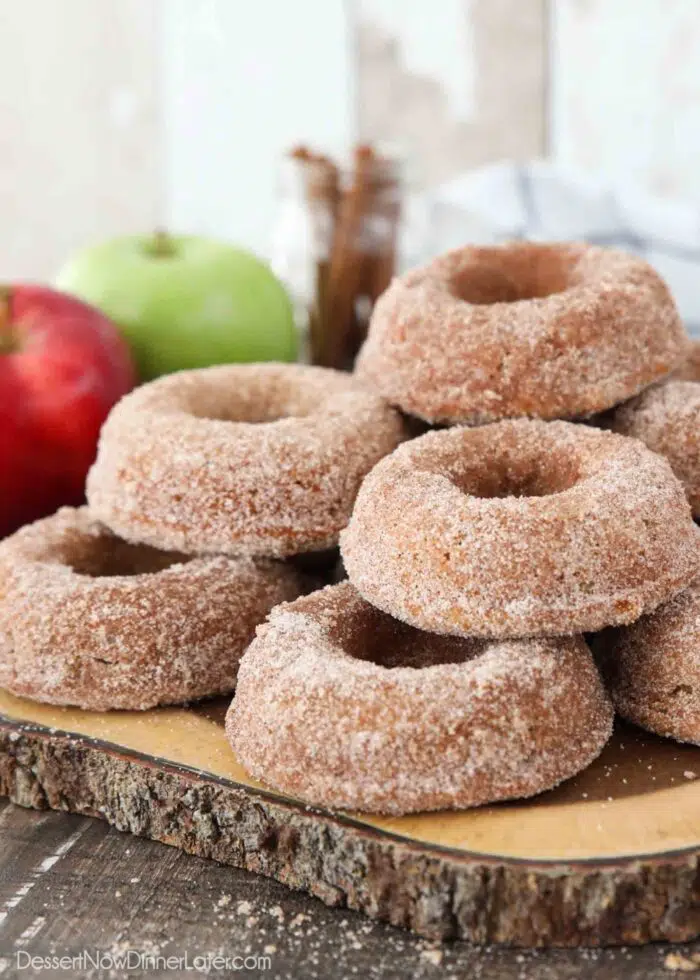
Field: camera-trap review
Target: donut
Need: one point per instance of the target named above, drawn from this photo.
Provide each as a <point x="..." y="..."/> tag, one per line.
<point x="523" y="329"/>
<point x="89" y="620"/>
<point x="243" y="459"/>
<point x="520" y="528"/>
<point x="690" y="368"/>
<point x="652" y="668"/>
<point x="666" y="418"/>
<point x="340" y="705"/>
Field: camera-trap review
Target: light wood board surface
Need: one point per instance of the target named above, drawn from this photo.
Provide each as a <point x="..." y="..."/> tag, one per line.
<point x="639" y="797"/>
<point x="637" y="808"/>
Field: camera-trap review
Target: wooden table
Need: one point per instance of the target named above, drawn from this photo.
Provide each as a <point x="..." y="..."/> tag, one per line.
<point x="69" y="884"/>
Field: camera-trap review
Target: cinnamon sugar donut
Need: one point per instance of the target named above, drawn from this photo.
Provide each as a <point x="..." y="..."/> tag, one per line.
<point x="653" y="668"/>
<point x="520" y="528"/>
<point x="524" y="329"/>
<point x="690" y="368"/>
<point x="88" y="620"/>
<point x="340" y="705"/>
<point x="667" y="419"/>
<point x="252" y="459"/>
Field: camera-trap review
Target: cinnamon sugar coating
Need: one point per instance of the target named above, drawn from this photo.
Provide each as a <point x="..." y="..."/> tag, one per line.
<point x="87" y="619"/>
<point x="690" y="368"/>
<point x="242" y="459"/>
<point x="652" y="668"/>
<point x="340" y="705"/>
<point x="520" y="528"/>
<point x="524" y="329"/>
<point x="666" y="418"/>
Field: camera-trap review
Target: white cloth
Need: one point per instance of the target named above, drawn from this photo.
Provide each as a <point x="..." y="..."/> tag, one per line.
<point x="542" y="201"/>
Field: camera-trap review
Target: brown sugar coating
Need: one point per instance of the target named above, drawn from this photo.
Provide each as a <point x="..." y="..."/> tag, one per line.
<point x="340" y="705"/>
<point x="653" y="668"/>
<point x="520" y="528"/>
<point x="87" y="619"/>
<point x="524" y="329"/>
<point x="254" y="459"/>
<point x="666" y="418"/>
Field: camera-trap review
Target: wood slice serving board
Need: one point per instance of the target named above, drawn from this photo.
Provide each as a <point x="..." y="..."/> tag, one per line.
<point x="609" y="857"/>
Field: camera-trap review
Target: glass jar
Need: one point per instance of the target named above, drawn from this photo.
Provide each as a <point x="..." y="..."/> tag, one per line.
<point x="335" y="245"/>
<point x="303" y="237"/>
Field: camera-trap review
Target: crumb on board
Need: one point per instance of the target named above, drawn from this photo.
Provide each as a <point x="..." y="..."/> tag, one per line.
<point x="680" y="963"/>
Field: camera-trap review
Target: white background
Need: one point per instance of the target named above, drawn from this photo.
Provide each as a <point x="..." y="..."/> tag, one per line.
<point x="120" y="115"/>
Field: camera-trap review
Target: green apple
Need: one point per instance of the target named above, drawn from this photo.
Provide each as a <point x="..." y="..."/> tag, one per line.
<point x="184" y="301"/>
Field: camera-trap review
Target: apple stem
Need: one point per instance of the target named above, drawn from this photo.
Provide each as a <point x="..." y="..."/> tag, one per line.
<point x="162" y="245"/>
<point x="7" y="341"/>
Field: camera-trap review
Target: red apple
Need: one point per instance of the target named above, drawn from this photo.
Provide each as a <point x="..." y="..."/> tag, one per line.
<point x="63" y="365"/>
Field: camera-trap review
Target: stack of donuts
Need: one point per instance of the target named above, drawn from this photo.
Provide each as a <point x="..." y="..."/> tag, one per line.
<point x="450" y="669"/>
<point x="206" y="484"/>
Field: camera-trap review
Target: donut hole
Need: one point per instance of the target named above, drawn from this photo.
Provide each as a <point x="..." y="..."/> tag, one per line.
<point x="251" y="405"/>
<point x="510" y="278"/>
<point x="506" y="472"/>
<point x="482" y="285"/>
<point x="531" y="480"/>
<point x="107" y="556"/>
<point x="261" y="416"/>
<point x="231" y="413"/>
<point x="377" y="638"/>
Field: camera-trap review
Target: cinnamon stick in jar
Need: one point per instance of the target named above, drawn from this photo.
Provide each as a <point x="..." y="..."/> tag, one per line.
<point x="364" y="248"/>
<point x="348" y="231"/>
<point x="321" y="188"/>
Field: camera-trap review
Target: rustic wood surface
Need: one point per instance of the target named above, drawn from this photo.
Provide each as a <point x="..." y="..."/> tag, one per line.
<point x="69" y="884"/>
<point x="439" y="893"/>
